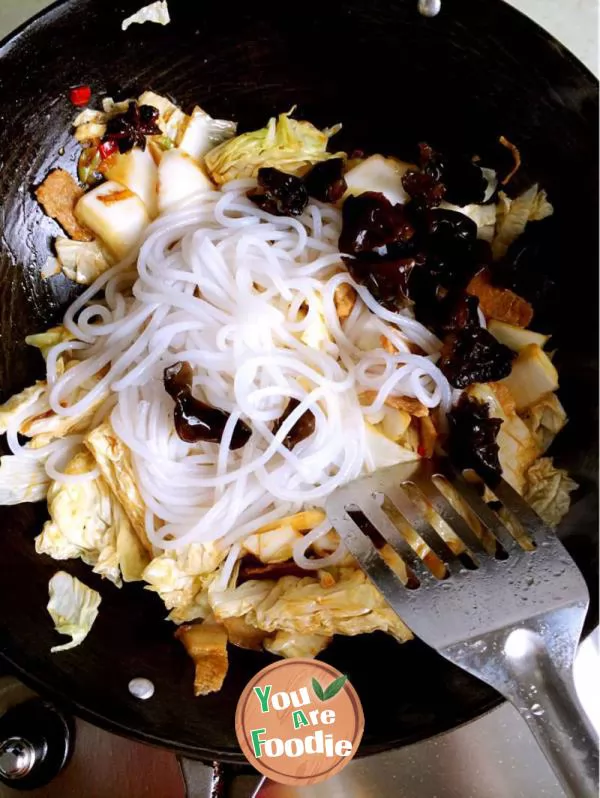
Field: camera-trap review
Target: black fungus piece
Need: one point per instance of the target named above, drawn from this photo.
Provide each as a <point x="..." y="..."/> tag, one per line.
<point x="465" y="182"/>
<point x="472" y="437"/>
<point x="463" y="179"/>
<point x="370" y="222"/>
<point x="178" y="378"/>
<point x="450" y="232"/>
<point x="326" y="181"/>
<point x="474" y="355"/>
<point x="130" y="129"/>
<point x="423" y="189"/>
<point x="304" y="427"/>
<point x="454" y="178"/>
<point x="458" y="311"/>
<point x="387" y="279"/>
<point x="279" y="193"/>
<point x="195" y="420"/>
<point x="443" y="274"/>
<point x="433" y="284"/>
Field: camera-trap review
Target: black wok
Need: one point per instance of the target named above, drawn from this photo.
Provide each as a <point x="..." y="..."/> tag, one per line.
<point x="478" y="70"/>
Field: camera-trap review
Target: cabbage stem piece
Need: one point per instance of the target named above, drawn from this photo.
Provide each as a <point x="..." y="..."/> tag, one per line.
<point x="73" y="607"/>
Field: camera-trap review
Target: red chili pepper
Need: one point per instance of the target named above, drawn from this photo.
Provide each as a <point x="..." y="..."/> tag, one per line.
<point x="80" y="95"/>
<point x="421" y="450"/>
<point x="107" y="148"/>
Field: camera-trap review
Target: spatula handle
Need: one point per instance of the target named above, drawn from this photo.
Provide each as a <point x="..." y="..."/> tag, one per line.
<point x="546" y="699"/>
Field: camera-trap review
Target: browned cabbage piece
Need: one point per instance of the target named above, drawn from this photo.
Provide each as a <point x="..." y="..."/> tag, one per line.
<point x="45" y="426"/>
<point x="87" y="522"/>
<point x="243" y="635"/>
<point x="18" y="402"/>
<point x="253" y="569"/>
<point x="428" y="436"/>
<point x="58" y="195"/>
<point x="115" y="464"/>
<point x="406" y="403"/>
<point x="500" y="303"/>
<point x="548" y="490"/>
<point x="545" y="419"/>
<point x="292" y="644"/>
<point x="274" y="545"/>
<point x="183" y="578"/>
<point x="344" y="299"/>
<point x="306" y="519"/>
<point x="302" y="605"/>
<point x="393" y="350"/>
<point x="514" y="214"/>
<point x="206" y="644"/>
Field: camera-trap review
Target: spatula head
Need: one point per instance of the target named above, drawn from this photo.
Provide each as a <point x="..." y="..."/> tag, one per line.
<point x="470" y="571"/>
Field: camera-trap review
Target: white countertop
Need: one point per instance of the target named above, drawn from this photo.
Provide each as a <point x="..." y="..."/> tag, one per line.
<point x="572" y="22"/>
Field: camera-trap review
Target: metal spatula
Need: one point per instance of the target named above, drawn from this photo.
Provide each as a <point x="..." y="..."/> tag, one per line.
<point x="507" y="603"/>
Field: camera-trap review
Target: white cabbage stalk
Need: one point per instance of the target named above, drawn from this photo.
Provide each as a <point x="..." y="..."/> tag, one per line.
<point x="81" y="261"/>
<point x="89" y="131"/>
<point x="202" y="133"/>
<point x="155" y="12"/>
<point x="383" y="452"/>
<point x="115" y="214"/>
<point x="380" y="174"/>
<point x="73" y="607"/>
<point x="136" y="171"/>
<point x="395" y="423"/>
<point x="516" y="338"/>
<point x="492" y="182"/>
<point x="90" y="115"/>
<point x="22" y="479"/>
<point x="112" y="108"/>
<point x="180" y="178"/>
<point x="513" y="215"/>
<point x="533" y="375"/>
<point x="19" y="403"/>
<point x="484" y="217"/>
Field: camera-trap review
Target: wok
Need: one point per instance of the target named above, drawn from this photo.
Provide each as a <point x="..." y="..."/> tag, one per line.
<point x="478" y="70"/>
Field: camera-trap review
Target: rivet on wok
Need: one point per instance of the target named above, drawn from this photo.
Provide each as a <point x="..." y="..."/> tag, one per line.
<point x="429" y="8"/>
<point x="141" y="688"/>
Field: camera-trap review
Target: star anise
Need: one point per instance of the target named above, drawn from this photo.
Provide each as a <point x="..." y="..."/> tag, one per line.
<point x="130" y="129"/>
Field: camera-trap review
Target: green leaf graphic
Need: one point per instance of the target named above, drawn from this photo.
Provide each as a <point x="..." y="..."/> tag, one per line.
<point x="335" y="687"/>
<point x="318" y="690"/>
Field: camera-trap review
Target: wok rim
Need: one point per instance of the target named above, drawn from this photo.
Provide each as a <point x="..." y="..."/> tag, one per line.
<point x="200" y="752"/>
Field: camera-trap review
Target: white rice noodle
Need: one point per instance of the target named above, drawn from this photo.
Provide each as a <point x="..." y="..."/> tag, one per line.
<point x="234" y="291"/>
<point x="313" y="564"/>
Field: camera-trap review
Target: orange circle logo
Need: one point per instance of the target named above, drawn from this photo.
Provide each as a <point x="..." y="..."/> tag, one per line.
<point x="299" y="721"/>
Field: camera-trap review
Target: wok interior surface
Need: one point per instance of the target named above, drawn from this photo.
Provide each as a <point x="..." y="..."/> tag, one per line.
<point x="393" y="78"/>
